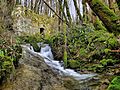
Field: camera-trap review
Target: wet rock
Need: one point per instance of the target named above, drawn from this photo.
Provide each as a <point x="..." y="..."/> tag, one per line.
<point x="34" y="74"/>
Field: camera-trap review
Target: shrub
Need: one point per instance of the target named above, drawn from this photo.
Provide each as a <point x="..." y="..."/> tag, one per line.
<point x="6" y="67"/>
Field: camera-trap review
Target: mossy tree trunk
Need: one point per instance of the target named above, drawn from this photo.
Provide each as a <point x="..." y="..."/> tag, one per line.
<point x="107" y="16"/>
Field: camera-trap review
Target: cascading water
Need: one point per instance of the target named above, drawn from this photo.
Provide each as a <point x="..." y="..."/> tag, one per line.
<point x="46" y="53"/>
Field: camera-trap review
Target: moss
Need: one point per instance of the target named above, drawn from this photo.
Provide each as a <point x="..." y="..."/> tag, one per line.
<point x="73" y="64"/>
<point x="83" y="52"/>
<point x="65" y="59"/>
<point x="99" y="25"/>
<point x="107" y="16"/>
<point x="107" y="62"/>
<point x="106" y="50"/>
<point x="115" y="84"/>
<point x="97" y="68"/>
<point x="112" y="42"/>
<point x="35" y="47"/>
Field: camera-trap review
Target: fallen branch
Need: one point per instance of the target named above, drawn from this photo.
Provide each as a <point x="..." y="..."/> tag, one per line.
<point x="115" y="50"/>
<point x="54" y="12"/>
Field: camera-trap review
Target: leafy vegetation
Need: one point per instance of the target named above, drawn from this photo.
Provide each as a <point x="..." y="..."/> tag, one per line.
<point x="90" y="42"/>
<point x="115" y="84"/>
<point x="9" y="57"/>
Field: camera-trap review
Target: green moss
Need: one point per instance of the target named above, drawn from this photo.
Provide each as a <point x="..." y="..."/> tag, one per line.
<point x="65" y="59"/>
<point x="35" y="46"/>
<point x="115" y="84"/>
<point x="83" y="52"/>
<point x="107" y="16"/>
<point x="74" y="64"/>
<point x="99" y="25"/>
<point x="112" y="42"/>
<point x="106" y="50"/>
<point x="107" y="62"/>
<point x="97" y="68"/>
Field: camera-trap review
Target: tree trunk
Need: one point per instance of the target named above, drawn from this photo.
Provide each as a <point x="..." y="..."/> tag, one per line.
<point x="6" y="8"/>
<point x="17" y="2"/>
<point x="78" y="11"/>
<point x="107" y="16"/>
<point x="85" y="16"/>
<point x="36" y="6"/>
<point x="31" y="4"/>
<point x="67" y="11"/>
<point x="25" y="3"/>
<point x="118" y="3"/>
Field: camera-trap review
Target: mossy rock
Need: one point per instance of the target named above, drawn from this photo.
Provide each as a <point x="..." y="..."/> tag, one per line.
<point x="74" y="64"/>
<point x="35" y="47"/>
<point x="115" y="84"/>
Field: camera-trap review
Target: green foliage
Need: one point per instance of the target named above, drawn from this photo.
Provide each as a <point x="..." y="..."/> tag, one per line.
<point x="100" y="42"/>
<point x="9" y="57"/>
<point x="73" y="64"/>
<point x="106" y="50"/>
<point x="107" y="16"/>
<point x="99" y="25"/>
<point x="32" y="39"/>
<point x="6" y="66"/>
<point x="115" y="84"/>
<point x="84" y="43"/>
<point x="107" y="62"/>
<point x="57" y="44"/>
<point x="83" y="52"/>
<point x="97" y="68"/>
<point x="77" y="42"/>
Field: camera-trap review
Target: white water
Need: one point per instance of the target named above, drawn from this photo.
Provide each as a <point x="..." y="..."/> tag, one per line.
<point x="46" y="53"/>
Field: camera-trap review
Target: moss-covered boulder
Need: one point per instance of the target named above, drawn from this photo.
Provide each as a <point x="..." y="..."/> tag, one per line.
<point x="115" y="84"/>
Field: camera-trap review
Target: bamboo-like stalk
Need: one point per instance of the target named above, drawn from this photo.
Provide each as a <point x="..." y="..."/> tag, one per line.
<point x="65" y="46"/>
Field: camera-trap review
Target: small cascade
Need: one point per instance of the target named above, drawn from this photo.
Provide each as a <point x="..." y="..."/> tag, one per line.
<point x="57" y="66"/>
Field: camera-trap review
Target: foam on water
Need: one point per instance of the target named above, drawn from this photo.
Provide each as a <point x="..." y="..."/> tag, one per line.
<point x="46" y="53"/>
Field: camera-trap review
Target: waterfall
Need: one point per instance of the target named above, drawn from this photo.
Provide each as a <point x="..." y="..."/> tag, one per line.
<point x="57" y="66"/>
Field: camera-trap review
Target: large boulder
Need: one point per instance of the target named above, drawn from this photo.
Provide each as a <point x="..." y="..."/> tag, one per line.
<point x="34" y="74"/>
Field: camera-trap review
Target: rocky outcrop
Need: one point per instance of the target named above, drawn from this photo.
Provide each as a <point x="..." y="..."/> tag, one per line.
<point x="34" y="74"/>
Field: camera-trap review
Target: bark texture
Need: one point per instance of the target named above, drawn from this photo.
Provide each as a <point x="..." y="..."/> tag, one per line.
<point x="107" y="16"/>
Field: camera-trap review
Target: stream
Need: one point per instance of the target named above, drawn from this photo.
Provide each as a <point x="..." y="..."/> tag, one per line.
<point x="58" y="66"/>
